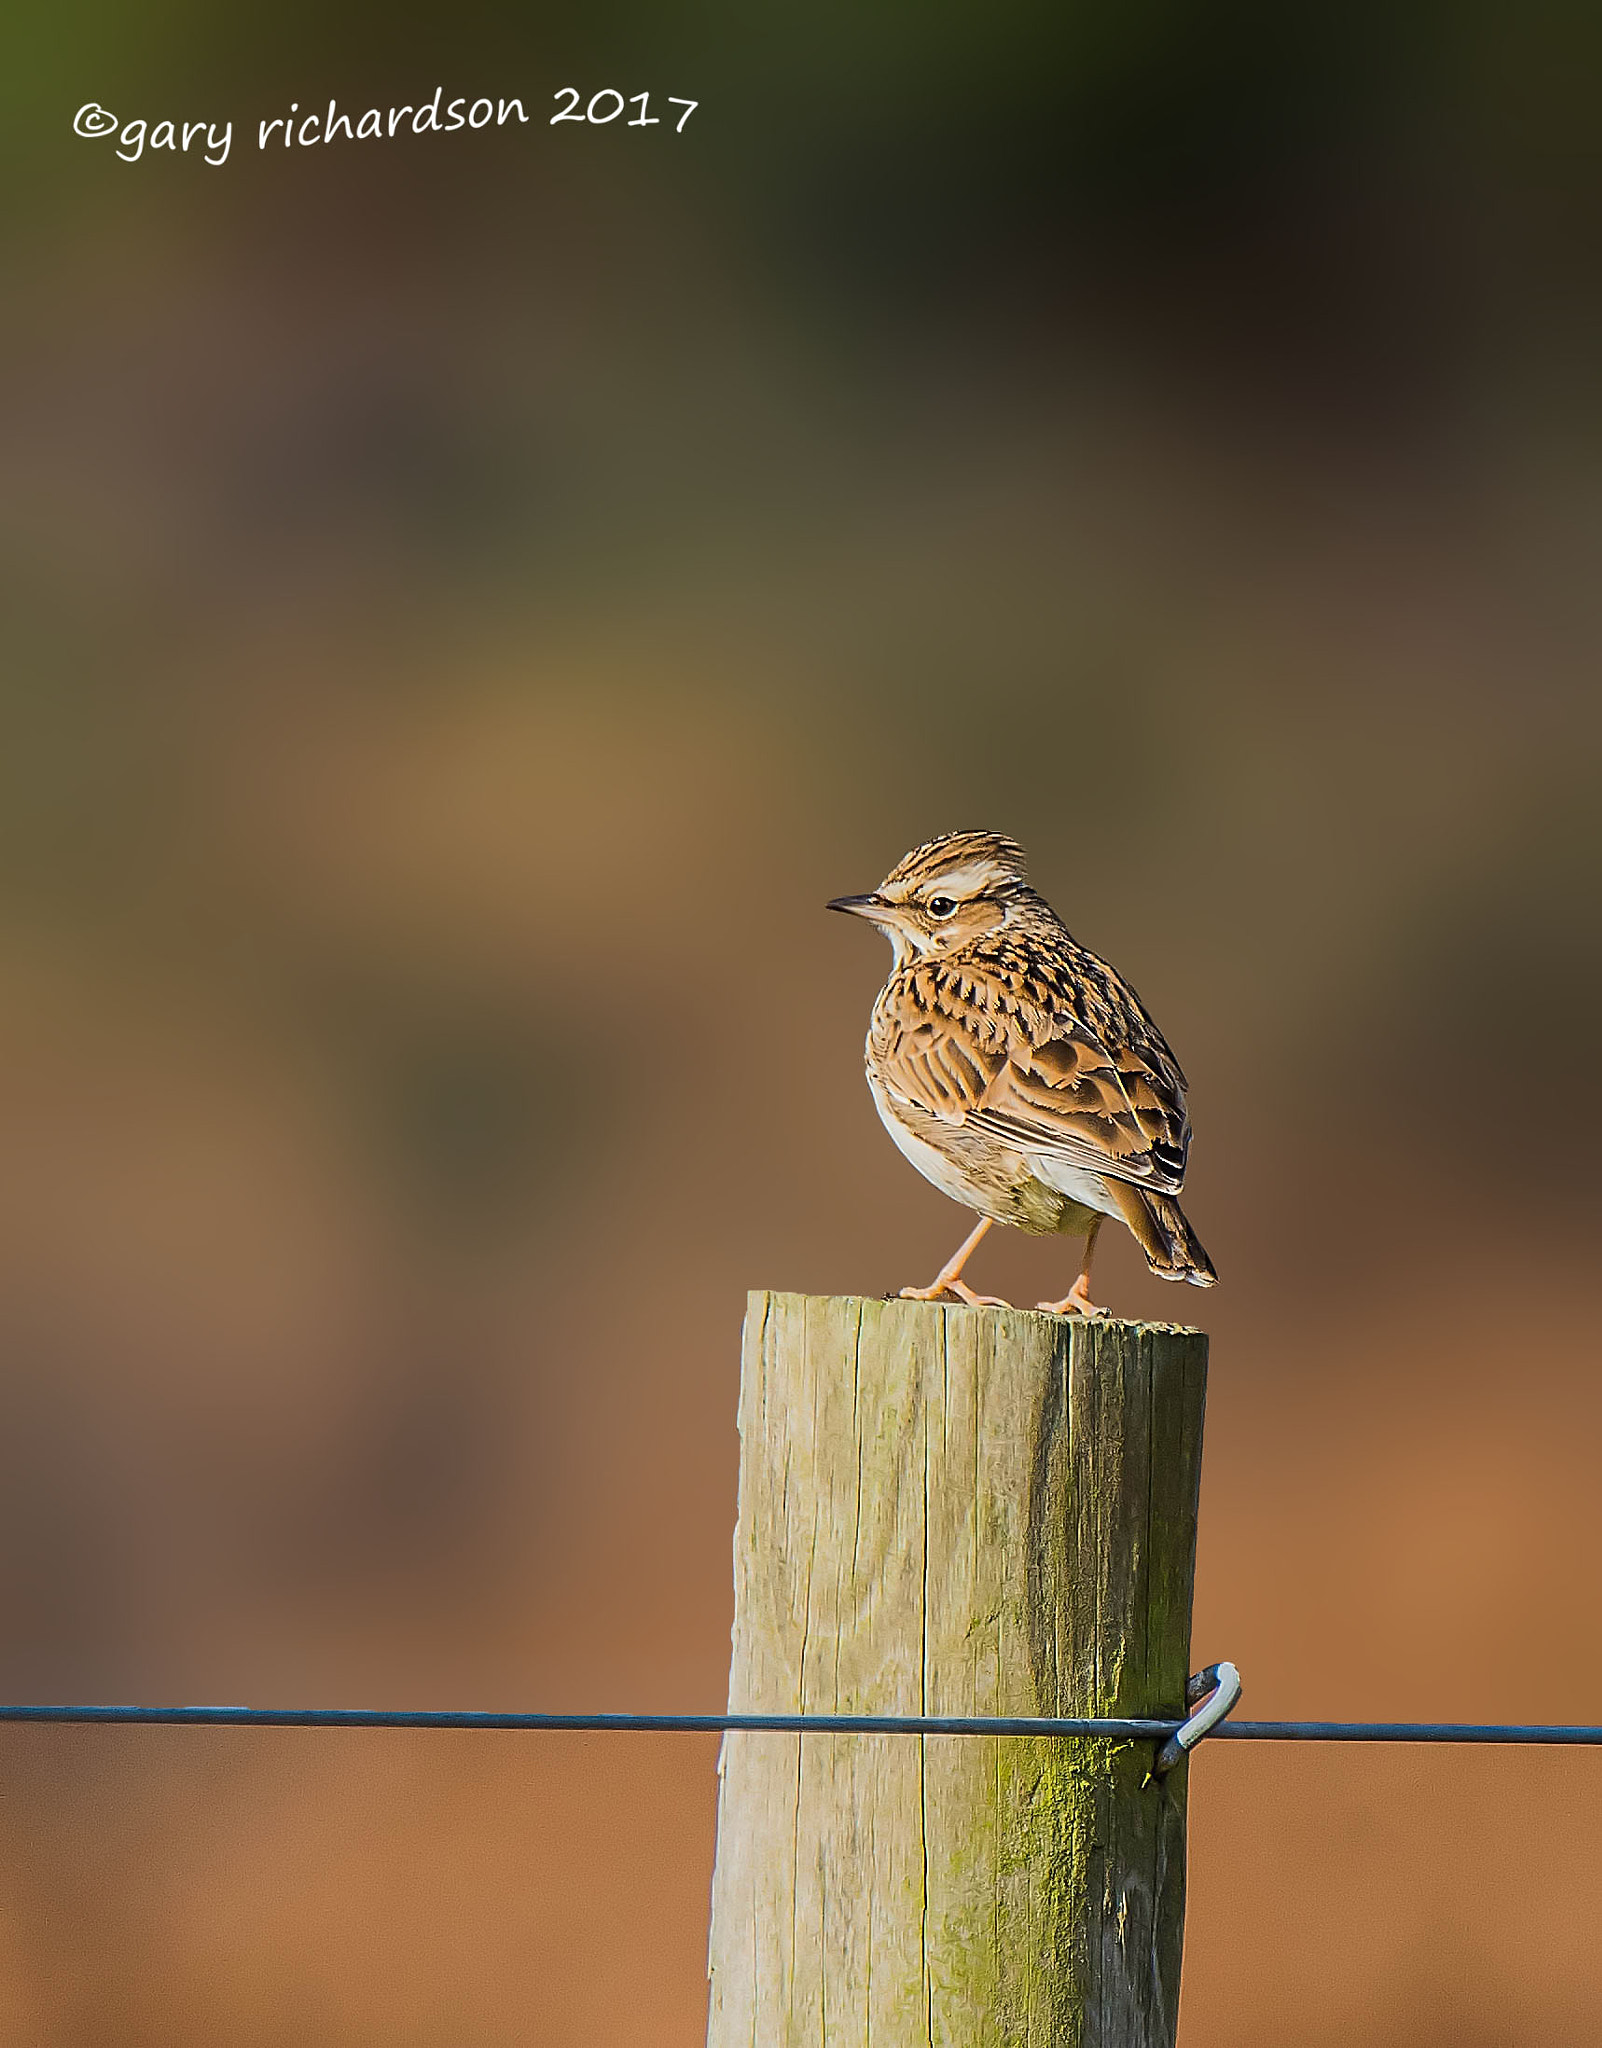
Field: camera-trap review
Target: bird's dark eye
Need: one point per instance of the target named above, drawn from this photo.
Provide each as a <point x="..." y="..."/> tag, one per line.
<point x="942" y="906"/>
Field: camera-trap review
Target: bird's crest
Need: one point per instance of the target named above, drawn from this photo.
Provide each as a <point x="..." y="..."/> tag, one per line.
<point x="969" y="862"/>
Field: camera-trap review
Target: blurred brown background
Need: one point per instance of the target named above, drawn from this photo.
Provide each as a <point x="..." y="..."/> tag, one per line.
<point x="471" y="599"/>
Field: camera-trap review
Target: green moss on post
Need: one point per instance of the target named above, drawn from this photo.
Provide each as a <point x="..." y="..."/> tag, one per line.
<point x="947" y="1510"/>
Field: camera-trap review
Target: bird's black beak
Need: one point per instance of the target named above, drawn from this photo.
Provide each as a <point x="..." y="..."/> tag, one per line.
<point x="859" y="906"/>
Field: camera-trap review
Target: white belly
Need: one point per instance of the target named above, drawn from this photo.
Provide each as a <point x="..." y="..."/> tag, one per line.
<point x="935" y="1167"/>
<point x="999" y="1192"/>
<point x="1078" y="1183"/>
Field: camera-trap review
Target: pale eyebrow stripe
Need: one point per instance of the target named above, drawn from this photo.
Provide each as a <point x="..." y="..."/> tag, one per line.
<point x="961" y="880"/>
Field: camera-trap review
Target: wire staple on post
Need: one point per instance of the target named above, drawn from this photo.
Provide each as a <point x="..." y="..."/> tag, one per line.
<point x="1212" y="1693"/>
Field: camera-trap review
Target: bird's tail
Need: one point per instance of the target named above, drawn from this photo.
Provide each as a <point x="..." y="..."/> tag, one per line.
<point x="1162" y="1230"/>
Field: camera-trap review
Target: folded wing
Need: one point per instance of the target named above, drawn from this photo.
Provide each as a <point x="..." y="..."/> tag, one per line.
<point x="1112" y="1103"/>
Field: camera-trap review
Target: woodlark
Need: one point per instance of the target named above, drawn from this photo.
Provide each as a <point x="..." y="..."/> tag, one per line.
<point x="1017" y="1071"/>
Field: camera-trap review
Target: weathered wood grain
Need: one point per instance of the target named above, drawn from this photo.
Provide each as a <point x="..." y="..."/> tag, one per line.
<point x="947" y="1510"/>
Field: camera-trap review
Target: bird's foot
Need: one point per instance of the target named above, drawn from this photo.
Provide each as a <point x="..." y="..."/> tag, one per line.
<point x="959" y="1288"/>
<point x="1076" y="1302"/>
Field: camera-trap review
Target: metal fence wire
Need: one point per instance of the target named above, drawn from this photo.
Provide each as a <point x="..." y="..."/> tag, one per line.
<point x="1211" y="1695"/>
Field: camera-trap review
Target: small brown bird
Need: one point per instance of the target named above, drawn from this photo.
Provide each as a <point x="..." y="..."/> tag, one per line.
<point x="1017" y="1071"/>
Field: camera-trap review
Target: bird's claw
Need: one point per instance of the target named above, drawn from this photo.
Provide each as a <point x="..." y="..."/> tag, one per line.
<point x="1076" y="1302"/>
<point x="959" y="1288"/>
<point x="965" y="1293"/>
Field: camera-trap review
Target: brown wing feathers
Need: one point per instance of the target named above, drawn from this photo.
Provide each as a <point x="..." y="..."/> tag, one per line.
<point x="994" y="1045"/>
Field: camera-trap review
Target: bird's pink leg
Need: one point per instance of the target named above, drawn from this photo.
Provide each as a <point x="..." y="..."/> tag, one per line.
<point x="1077" y="1301"/>
<point x="949" y="1279"/>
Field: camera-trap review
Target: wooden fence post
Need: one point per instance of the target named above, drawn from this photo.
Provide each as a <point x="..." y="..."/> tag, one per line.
<point x="947" y="1510"/>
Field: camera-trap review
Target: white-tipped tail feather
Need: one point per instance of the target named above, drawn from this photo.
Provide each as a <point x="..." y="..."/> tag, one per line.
<point x="1162" y="1230"/>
